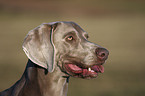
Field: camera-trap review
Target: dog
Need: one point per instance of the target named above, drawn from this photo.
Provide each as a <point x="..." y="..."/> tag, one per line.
<point x="57" y="51"/>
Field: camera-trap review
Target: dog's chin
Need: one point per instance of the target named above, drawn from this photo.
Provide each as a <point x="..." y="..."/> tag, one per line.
<point x="83" y="72"/>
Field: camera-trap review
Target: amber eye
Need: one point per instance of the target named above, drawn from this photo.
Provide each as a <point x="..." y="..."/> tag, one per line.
<point x="70" y="38"/>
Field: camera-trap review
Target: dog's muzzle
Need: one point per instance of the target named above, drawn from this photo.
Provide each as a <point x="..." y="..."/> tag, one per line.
<point x="77" y="69"/>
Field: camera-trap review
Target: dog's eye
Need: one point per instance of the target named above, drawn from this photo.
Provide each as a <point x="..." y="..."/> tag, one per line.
<point x="70" y="38"/>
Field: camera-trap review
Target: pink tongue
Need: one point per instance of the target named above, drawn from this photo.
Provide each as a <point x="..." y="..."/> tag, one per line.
<point x="101" y="69"/>
<point x="74" y="68"/>
<point x="78" y="70"/>
<point x="98" y="68"/>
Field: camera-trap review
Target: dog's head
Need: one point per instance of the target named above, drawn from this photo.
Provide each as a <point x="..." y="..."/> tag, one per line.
<point x="66" y="45"/>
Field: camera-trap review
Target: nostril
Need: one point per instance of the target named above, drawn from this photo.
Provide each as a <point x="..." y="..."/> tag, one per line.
<point x="102" y="53"/>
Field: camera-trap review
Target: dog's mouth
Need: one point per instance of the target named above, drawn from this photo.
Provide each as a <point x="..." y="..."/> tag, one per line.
<point x="86" y="72"/>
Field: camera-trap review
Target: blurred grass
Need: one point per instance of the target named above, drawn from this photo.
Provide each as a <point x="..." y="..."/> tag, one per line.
<point x="121" y="30"/>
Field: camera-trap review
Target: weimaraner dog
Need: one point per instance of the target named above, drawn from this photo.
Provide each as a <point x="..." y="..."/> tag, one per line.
<point x="57" y="51"/>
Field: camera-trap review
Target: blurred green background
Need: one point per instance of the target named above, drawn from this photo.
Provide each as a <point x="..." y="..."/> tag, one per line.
<point x="118" y="25"/>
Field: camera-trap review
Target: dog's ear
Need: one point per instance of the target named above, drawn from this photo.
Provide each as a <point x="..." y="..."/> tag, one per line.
<point x="38" y="46"/>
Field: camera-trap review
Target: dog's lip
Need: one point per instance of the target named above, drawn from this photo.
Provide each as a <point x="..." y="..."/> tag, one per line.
<point x="87" y="72"/>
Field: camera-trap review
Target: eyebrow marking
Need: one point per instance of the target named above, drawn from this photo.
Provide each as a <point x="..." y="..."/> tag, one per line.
<point x="69" y="33"/>
<point x="86" y="35"/>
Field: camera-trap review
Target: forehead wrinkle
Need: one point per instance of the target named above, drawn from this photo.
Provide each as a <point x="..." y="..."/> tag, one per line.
<point x="79" y="30"/>
<point x="62" y="29"/>
<point x="67" y="27"/>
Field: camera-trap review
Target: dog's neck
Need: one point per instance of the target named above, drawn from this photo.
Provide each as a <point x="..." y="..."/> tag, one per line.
<point x="38" y="81"/>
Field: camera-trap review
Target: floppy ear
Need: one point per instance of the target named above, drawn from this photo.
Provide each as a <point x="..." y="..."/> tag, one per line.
<point x="39" y="48"/>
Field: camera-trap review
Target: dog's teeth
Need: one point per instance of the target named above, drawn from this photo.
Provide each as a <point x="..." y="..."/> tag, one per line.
<point x="89" y="69"/>
<point x="92" y="71"/>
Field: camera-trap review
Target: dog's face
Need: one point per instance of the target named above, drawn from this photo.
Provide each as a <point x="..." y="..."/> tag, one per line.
<point x="66" y="45"/>
<point x="75" y="55"/>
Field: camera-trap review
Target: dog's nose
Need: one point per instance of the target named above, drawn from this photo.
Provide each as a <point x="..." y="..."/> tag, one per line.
<point x="102" y="53"/>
